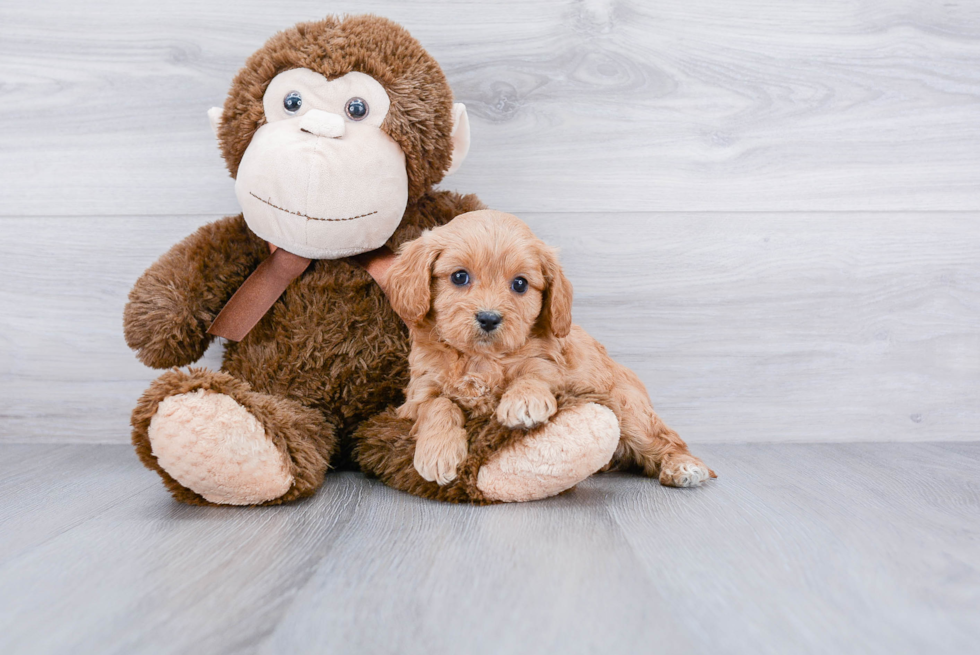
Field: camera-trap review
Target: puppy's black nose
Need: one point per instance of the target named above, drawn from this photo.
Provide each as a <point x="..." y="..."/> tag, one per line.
<point x="488" y="320"/>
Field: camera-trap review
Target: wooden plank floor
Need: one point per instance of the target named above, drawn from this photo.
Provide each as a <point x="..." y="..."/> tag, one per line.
<point x="832" y="548"/>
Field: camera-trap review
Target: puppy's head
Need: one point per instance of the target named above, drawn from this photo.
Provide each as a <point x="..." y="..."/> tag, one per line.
<point x="483" y="283"/>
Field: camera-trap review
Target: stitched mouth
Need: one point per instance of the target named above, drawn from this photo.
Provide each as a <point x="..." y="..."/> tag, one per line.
<point x="311" y="218"/>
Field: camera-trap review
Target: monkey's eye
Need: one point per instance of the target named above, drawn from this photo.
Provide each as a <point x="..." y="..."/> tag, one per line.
<point x="357" y="109"/>
<point x="292" y="102"/>
<point x="460" y="278"/>
<point x="519" y="285"/>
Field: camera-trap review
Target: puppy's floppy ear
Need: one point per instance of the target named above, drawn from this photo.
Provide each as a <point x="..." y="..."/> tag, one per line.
<point x="556" y="306"/>
<point x="409" y="279"/>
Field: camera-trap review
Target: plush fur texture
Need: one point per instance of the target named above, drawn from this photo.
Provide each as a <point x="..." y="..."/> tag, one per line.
<point x="489" y="264"/>
<point x="385" y="448"/>
<point x="302" y="435"/>
<point x="420" y="119"/>
<point x="331" y="353"/>
<point x="218" y="449"/>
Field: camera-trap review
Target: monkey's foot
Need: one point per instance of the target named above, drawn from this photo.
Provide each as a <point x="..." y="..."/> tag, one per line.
<point x="555" y="457"/>
<point x="213" y="446"/>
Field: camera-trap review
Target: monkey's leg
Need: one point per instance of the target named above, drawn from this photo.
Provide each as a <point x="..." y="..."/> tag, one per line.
<point x="503" y="465"/>
<point x="215" y="441"/>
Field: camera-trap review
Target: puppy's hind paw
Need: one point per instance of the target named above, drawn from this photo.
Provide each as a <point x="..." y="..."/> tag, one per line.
<point x="684" y="471"/>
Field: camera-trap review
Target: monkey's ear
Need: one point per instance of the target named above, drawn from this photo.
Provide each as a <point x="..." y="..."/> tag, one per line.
<point x="460" y="137"/>
<point x="214" y="115"/>
<point x="409" y="279"/>
<point x="556" y="307"/>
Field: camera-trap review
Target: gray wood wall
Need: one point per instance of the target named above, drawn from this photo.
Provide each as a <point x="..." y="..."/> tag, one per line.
<point x="771" y="211"/>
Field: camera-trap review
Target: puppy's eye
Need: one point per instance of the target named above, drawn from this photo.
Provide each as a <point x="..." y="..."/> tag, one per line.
<point x="292" y="102"/>
<point x="519" y="285"/>
<point x="460" y="278"/>
<point x="356" y="109"/>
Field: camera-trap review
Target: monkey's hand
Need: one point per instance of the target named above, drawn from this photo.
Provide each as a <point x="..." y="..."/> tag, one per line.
<point x="174" y="302"/>
<point x="526" y="404"/>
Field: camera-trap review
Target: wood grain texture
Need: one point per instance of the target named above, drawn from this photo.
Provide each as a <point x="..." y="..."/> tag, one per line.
<point x="858" y="548"/>
<point x="782" y="327"/>
<point x="595" y="105"/>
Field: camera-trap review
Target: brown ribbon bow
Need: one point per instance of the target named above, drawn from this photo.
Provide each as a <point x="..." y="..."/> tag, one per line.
<point x="263" y="287"/>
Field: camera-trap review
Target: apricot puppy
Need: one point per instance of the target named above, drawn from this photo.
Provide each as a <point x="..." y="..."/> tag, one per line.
<point x="490" y="316"/>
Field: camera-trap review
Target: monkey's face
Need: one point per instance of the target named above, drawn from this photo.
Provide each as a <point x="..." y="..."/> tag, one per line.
<point x="321" y="179"/>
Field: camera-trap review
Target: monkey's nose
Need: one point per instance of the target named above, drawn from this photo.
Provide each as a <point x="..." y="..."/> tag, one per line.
<point x="322" y="123"/>
<point x="488" y="320"/>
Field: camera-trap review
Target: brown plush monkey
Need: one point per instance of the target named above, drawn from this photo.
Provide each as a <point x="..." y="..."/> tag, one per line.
<point x="336" y="132"/>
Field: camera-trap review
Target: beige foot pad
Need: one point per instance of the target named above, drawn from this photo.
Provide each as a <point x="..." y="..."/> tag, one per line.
<point x="216" y="448"/>
<point x="573" y="445"/>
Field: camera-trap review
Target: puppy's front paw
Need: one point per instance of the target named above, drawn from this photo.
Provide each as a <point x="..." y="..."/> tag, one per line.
<point x="684" y="471"/>
<point x="526" y="406"/>
<point x="437" y="455"/>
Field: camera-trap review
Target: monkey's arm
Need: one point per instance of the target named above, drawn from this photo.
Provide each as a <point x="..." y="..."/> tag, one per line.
<point x="172" y="304"/>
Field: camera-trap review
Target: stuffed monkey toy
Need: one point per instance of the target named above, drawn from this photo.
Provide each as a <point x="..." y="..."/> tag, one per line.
<point x="336" y="132"/>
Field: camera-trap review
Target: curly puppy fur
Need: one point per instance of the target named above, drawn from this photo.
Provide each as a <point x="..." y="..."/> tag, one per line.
<point x="489" y="310"/>
<point x="331" y="352"/>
